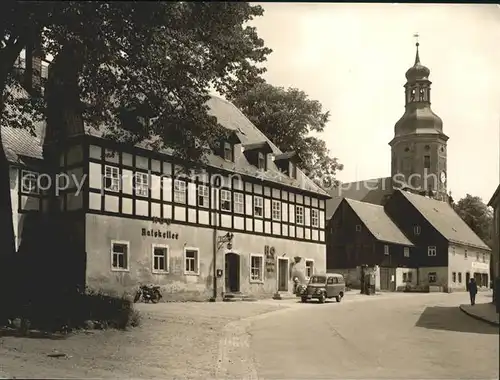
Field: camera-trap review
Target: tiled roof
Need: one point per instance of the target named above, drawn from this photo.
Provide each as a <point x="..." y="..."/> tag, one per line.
<point x="370" y="191"/>
<point x="19" y="142"/>
<point x="378" y="222"/>
<point x="445" y="220"/>
<point x="230" y="117"/>
<point x="494" y="198"/>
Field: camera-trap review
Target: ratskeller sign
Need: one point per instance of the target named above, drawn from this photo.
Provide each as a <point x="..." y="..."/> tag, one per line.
<point x="160" y="234"/>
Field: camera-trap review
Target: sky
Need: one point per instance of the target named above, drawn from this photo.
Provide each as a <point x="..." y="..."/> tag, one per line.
<point x="353" y="58"/>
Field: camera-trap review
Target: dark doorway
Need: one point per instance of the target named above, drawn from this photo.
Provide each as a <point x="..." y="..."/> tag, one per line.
<point x="283" y="274"/>
<point x="232" y="270"/>
<point x="467" y="279"/>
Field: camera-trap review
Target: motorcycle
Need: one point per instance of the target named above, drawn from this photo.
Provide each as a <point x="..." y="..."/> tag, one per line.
<point x="299" y="288"/>
<point x="148" y="293"/>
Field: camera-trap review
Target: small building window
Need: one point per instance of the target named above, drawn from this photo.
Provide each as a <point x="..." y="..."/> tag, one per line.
<point x="432" y="277"/>
<point x="431" y="250"/>
<point x="410" y="276"/>
<point x="119" y="255"/>
<point x="484" y="258"/>
<point x="111" y="178"/>
<point x="179" y="191"/>
<point x="386" y="249"/>
<point x="256" y="268"/>
<point x="225" y="200"/>
<point x="258" y="206"/>
<point x="309" y="268"/>
<point x="477" y="256"/>
<point x="405" y="277"/>
<point x="427" y="162"/>
<point x="299" y="215"/>
<point x="406" y="251"/>
<point x="239" y="202"/>
<point x="192" y="262"/>
<point x="454" y="276"/>
<point x="261" y="161"/>
<point x="29" y="182"/>
<point x="276" y="210"/>
<point x="141" y="184"/>
<point x="416" y="230"/>
<point x="160" y="258"/>
<point x="466" y="253"/>
<point x="314" y="217"/>
<point x="459" y="277"/>
<point x="293" y="170"/>
<point x="358" y="227"/>
<point x="228" y="151"/>
<point x="203" y="195"/>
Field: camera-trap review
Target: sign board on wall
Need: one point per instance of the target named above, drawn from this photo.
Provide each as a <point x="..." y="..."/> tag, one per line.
<point x="477" y="265"/>
<point x="269" y="253"/>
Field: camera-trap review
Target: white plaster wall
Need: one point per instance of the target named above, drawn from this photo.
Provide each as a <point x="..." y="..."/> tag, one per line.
<point x="458" y="263"/>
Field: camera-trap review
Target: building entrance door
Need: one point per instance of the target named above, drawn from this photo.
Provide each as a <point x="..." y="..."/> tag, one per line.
<point x="283" y="274"/>
<point x="232" y="270"/>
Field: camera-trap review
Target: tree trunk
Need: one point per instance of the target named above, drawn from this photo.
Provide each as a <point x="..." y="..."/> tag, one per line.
<point x="7" y="237"/>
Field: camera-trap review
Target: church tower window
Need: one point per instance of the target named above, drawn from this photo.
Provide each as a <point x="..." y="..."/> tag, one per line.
<point x="427" y="162"/>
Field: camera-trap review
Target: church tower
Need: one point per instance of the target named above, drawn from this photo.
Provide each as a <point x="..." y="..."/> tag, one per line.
<point x="419" y="144"/>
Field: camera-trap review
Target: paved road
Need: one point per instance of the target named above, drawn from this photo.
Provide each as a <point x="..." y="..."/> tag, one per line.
<point x="404" y="336"/>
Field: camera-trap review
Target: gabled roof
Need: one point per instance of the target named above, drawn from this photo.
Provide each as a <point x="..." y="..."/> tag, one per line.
<point x="445" y="220"/>
<point x="18" y="142"/>
<point x="495" y="198"/>
<point x="378" y="222"/>
<point x="370" y="191"/>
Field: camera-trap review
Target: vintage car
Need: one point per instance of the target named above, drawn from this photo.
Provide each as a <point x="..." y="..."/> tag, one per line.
<point x="324" y="286"/>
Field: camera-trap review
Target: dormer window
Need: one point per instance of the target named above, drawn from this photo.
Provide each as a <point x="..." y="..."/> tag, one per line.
<point x="261" y="161"/>
<point x="228" y="152"/>
<point x="292" y="170"/>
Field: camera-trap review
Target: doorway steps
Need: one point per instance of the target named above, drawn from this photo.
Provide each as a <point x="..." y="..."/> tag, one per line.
<point x="237" y="296"/>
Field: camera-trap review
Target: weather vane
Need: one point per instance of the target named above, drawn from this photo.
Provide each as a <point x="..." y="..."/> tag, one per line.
<point x="416" y="35"/>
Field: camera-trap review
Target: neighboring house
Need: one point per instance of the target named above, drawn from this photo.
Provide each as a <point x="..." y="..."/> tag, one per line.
<point x="411" y="239"/>
<point x="139" y="221"/>
<point x="447" y="251"/>
<point x="362" y="234"/>
<point x="495" y="204"/>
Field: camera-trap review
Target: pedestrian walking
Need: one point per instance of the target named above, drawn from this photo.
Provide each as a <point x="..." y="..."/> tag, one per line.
<point x="472" y="291"/>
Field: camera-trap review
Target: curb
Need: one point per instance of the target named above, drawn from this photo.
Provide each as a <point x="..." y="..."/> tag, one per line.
<point x="492" y="323"/>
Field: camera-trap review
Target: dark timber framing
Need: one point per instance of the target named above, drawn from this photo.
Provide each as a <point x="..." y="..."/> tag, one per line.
<point x="250" y="186"/>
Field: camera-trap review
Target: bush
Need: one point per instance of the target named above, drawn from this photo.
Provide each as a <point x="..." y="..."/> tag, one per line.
<point x="56" y="311"/>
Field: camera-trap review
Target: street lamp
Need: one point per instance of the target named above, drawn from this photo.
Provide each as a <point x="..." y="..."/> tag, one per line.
<point x="219" y="242"/>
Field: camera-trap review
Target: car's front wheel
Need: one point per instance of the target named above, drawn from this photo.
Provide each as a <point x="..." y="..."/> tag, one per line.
<point x="322" y="298"/>
<point x="339" y="297"/>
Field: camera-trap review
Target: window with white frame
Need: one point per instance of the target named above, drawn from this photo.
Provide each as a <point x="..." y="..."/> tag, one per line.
<point x="276" y="210"/>
<point x="191" y="258"/>
<point x="111" y="178"/>
<point x="386" y="249"/>
<point x="228" y="151"/>
<point x="119" y="255"/>
<point x="431" y="250"/>
<point x="239" y="203"/>
<point x="261" y="161"/>
<point x="160" y="258"/>
<point x="309" y="268"/>
<point x="256" y="268"/>
<point x="29" y="182"/>
<point x="416" y="230"/>
<point x="225" y="200"/>
<point x="299" y="215"/>
<point x="314" y="217"/>
<point x="141" y="184"/>
<point x="203" y="195"/>
<point x="179" y="191"/>
<point x="432" y="277"/>
<point x="258" y="206"/>
<point x="406" y="251"/>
